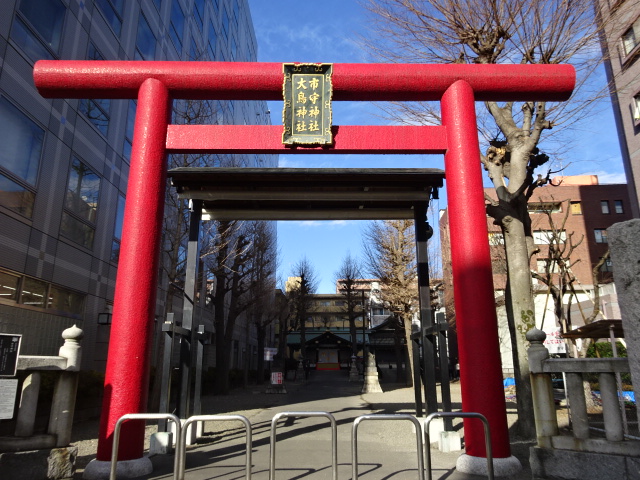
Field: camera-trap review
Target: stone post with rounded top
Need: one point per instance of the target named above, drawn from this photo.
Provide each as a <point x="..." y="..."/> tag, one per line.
<point x="542" y="391"/>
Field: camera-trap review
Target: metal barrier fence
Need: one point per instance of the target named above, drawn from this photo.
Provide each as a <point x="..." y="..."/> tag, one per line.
<point x="144" y="416"/>
<point x="182" y="452"/>
<point x="487" y="437"/>
<point x="334" y="439"/>
<point x="354" y="439"/>
<point x="182" y="430"/>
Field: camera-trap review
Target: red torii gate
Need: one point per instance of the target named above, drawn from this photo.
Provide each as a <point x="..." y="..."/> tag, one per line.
<point x="156" y="84"/>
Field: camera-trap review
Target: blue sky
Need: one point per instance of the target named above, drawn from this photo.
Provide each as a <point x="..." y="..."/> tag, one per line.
<point x="326" y="32"/>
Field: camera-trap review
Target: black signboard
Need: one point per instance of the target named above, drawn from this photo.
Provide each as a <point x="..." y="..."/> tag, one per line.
<point x="306" y="115"/>
<point x="9" y="351"/>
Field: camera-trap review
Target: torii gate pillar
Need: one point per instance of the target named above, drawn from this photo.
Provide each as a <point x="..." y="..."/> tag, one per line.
<point x="479" y="349"/>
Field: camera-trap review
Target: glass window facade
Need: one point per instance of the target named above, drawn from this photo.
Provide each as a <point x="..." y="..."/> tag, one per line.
<point x="83" y="191"/>
<point x="601" y="235"/>
<point x="236" y="12"/>
<point x="81" y="204"/>
<point x="547" y="237"/>
<point x="65" y="300"/>
<point x="38" y="28"/>
<point x="225" y="22"/>
<point x="117" y="231"/>
<point x="212" y="39"/>
<point x="198" y="13"/>
<point x="52" y="220"/>
<point x="128" y="134"/>
<point x="9" y="287"/>
<point x="145" y="40"/>
<point x="19" y="289"/>
<point x="234" y="49"/>
<point x="631" y="37"/>
<point x="618" y="206"/>
<point x="97" y="111"/>
<point x="112" y="11"/>
<point x="177" y="25"/>
<point x="22" y="141"/>
<point x="34" y="292"/>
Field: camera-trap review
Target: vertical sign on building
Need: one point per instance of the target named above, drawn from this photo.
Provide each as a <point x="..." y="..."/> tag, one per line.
<point x="9" y="352"/>
<point x="306" y="115"/>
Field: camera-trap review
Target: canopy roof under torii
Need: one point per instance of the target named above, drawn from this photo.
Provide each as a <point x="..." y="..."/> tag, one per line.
<point x="308" y="193"/>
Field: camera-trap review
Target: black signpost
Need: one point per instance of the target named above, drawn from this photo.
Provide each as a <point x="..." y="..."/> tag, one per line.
<point x="9" y="351"/>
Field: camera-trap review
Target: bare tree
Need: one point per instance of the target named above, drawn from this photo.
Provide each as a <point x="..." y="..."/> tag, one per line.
<point x="300" y="298"/>
<point x="227" y="261"/>
<point x="347" y="278"/>
<point x="596" y="276"/>
<point x="556" y="273"/>
<point x="175" y="226"/>
<point x="389" y="249"/>
<point x="484" y="32"/>
<point x="242" y="261"/>
<point x="263" y="310"/>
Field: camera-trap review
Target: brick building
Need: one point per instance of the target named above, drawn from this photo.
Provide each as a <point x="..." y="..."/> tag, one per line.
<point x="580" y="210"/>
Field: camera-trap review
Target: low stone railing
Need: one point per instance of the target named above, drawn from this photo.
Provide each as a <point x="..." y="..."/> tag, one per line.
<point x="67" y="363"/>
<point x="548" y="436"/>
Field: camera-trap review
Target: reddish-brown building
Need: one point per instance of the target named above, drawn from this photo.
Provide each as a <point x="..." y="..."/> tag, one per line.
<point x="592" y="208"/>
<point x="580" y="210"/>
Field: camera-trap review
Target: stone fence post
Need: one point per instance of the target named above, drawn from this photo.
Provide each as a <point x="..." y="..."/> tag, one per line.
<point x="624" y="242"/>
<point x="544" y="408"/>
<point x="64" y="394"/>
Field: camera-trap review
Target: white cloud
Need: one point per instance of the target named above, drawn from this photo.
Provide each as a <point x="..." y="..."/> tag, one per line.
<point x="289" y="162"/>
<point x="610" y="177"/>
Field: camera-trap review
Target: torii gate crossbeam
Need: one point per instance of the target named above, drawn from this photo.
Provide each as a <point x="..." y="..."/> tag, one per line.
<point x="156" y="84"/>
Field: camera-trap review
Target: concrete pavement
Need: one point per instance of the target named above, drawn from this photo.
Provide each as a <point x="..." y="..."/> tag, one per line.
<point x="386" y="449"/>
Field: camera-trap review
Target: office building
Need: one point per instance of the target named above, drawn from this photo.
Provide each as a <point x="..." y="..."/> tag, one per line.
<point x="620" y="40"/>
<point x="64" y="163"/>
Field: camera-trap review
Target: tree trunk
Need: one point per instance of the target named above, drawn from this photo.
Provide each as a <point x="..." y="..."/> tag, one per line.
<point x="246" y="358"/>
<point x="408" y="352"/>
<point x="261" y="334"/>
<point x="521" y="319"/>
<point x="354" y="336"/>
<point x="222" y="349"/>
<point x="397" y="337"/>
<point x="303" y="336"/>
<point x="282" y="337"/>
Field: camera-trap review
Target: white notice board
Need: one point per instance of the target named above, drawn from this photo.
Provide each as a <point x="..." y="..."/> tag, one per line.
<point x="8" y="390"/>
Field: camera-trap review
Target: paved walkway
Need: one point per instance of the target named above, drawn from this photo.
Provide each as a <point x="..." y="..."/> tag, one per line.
<point x="386" y="450"/>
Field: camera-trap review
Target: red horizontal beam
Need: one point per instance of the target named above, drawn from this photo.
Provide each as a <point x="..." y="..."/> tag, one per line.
<point x="263" y="81"/>
<point x="268" y="139"/>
